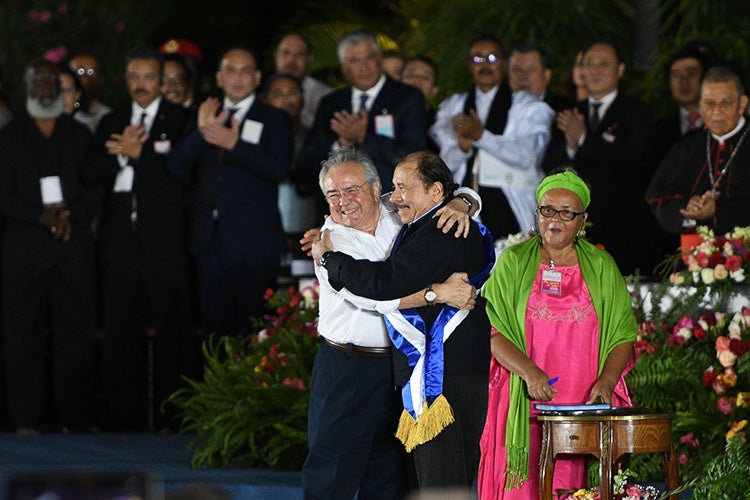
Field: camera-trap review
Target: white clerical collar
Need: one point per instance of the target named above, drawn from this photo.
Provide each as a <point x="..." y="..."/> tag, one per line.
<point x="729" y="135"/>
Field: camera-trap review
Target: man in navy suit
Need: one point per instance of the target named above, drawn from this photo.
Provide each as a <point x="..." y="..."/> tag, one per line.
<point x="604" y="139"/>
<point x="375" y="113"/>
<point x="242" y="148"/>
<point x="142" y="244"/>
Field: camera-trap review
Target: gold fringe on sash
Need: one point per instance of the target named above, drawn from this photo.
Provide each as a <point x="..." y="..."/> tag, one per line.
<point x="432" y="421"/>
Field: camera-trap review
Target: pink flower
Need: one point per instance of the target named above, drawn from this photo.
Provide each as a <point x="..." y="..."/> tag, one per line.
<point x="294" y="383"/>
<point x="62" y="8"/>
<point x="722" y="344"/>
<point x="56" y="54"/>
<point x="733" y="262"/>
<point x="39" y="16"/>
<point x="724" y="405"/>
<point x="683" y="459"/>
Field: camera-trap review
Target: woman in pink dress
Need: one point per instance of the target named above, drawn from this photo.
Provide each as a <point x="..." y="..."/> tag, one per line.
<point x="562" y="312"/>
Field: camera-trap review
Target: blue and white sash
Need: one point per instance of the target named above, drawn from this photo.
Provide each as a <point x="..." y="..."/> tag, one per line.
<point x="426" y="411"/>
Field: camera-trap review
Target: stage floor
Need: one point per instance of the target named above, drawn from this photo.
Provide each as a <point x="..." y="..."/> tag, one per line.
<point x="162" y="461"/>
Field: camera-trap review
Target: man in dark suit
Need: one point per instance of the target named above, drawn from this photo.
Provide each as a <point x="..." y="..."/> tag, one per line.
<point x="458" y="360"/>
<point x="604" y="140"/>
<point x="375" y="113"/>
<point x="420" y="71"/>
<point x="242" y="150"/>
<point x="47" y="258"/>
<point x="141" y="244"/>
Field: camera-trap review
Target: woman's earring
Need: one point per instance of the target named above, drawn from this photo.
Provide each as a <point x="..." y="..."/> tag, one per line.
<point x="581" y="233"/>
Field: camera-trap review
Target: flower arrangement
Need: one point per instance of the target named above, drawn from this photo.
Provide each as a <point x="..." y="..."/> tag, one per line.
<point x="716" y="260"/>
<point x="251" y="405"/>
<point x="623" y="489"/>
<point x="692" y="357"/>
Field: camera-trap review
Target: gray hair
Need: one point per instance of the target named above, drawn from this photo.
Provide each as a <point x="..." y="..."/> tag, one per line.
<point x="724" y="74"/>
<point x="349" y="155"/>
<point x="355" y="37"/>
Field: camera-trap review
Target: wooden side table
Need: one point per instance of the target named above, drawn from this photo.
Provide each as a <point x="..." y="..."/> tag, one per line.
<point x="607" y="436"/>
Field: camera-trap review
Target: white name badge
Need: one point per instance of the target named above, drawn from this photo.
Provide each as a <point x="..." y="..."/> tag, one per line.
<point x="124" y="180"/>
<point x="163" y="147"/>
<point x="51" y="190"/>
<point x="384" y="126"/>
<point x="551" y="282"/>
<point x="251" y="131"/>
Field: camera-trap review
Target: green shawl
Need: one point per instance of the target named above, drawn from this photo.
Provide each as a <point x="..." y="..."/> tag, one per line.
<point x="507" y="292"/>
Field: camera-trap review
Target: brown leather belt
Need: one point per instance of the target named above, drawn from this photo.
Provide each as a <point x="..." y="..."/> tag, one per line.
<point x="376" y="352"/>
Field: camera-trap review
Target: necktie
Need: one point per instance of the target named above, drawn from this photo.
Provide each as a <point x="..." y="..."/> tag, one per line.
<point x="143" y="118"/>
<point x="594" y="120"/>
<point x="228" y="121"/>
<point x="363" y="102"/>
<point x="693" y="118"/>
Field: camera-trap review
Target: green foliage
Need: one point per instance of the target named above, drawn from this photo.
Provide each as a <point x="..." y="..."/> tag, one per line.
<point x="251" y="405"/>
<point x="727" y="476"/>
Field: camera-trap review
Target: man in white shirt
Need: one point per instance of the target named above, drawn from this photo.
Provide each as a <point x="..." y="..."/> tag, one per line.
<point x="493" y="139"/>
<point x="354" y="407"/>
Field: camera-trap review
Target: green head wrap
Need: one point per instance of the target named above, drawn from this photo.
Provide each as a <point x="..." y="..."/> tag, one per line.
<point x="565" y="180"/>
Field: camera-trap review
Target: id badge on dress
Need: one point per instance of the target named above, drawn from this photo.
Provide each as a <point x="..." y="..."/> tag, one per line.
<point x="124" y="180"/>
<point x="551" y="282"/>
<point x="384" y="126"/>
<point x="51" y="190"/>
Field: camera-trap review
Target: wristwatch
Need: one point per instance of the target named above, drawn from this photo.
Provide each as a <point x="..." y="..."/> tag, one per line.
<point x="468" y="202"/>
<point x="430" y="296"/>
<point x="324" y="258"/>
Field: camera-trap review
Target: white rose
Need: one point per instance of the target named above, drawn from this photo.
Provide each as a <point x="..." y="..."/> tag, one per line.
<point x="726" y="358"/>
<point x="309" y="295"/>
<point x="263" y="335"/>
<point x="720" y="272"/>
<point x="685" y="332"/>
<point x="735" y="332"/>
<point x="737" y="276"/>
<point x="707" y="275"/>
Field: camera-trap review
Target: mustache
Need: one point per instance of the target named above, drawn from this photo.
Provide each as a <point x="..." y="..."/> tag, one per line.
<point x="485" y="71"/>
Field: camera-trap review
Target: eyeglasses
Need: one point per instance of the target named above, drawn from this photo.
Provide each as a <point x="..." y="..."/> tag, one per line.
<point x="86" y="71"/>
<point x="489" y="58"/>
<point x="335" y="196"/>
<point x="566" y="215"/>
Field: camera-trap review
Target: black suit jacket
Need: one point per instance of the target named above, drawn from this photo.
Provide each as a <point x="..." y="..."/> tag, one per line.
<point x="241" y="185"/>
<point x="158" y="197"/>
<point x="407" y="106"/>
<point x="25" y="157"/>
<point x="558" y="102"/>
<point x="426" y="255"/>
<point x="611" y="161"/>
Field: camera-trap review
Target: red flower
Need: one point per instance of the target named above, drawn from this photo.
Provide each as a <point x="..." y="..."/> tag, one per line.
<point x="733" y="262"/>
<point x="702" y="259"/>
<point x="295" y="383"/>
<point x="269" y="293"/>
<point x="709" y="318"/>
<point x="709" y="376"/>
<point x="39" y="16"/>
<point x="739" y="347"/>
<point x="699" y="333"/>
<point x="715" y="259"/>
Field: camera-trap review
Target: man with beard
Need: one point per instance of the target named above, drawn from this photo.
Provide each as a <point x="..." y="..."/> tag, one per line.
<point x="142" y="248"/>
<point x="48" y="256"/>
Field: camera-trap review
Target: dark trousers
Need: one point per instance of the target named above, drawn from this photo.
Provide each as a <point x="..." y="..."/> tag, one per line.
<point x="141" y="293"/>
<point x="450" y="460"/>
<point x="232" y="288"/>
<point x="353" y="415"/>
<point x="496" y="214"/>
<point x="35" y="297"/>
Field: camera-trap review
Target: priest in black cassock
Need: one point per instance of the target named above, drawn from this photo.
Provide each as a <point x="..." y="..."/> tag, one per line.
<point x="705" y="179"/>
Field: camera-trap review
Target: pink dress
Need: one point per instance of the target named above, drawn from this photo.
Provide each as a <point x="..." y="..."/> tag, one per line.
<point x="562" y="338"/>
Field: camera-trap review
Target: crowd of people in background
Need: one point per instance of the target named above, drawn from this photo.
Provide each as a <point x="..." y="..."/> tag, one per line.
<point x="164" y="221"/>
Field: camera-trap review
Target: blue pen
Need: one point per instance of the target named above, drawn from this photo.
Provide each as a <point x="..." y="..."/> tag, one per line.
<point x="553" y="380"/>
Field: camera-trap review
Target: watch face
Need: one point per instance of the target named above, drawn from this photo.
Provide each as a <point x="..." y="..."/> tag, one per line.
<point x="430" y="296"/>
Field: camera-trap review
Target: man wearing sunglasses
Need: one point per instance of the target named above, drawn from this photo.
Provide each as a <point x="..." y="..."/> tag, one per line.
<point x="492" y="139"/>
